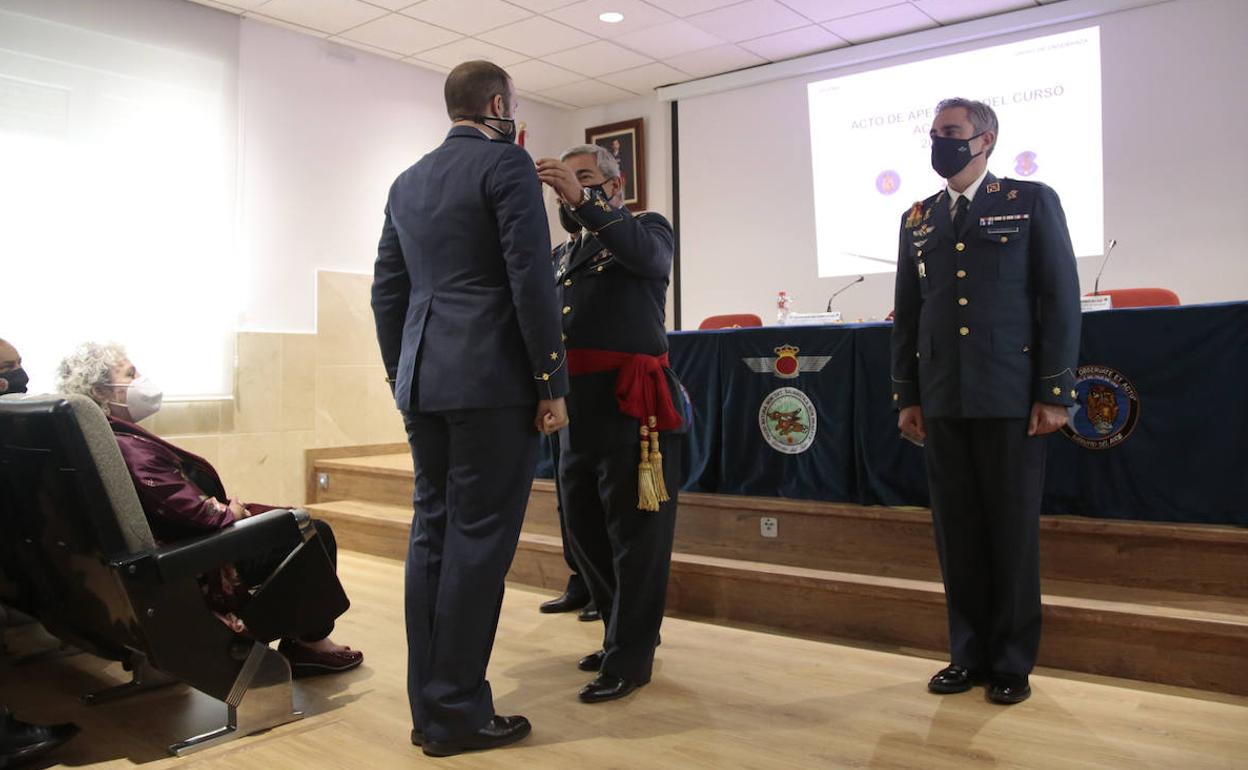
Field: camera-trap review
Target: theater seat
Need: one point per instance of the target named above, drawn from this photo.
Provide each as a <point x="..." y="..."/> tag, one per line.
<point x="731" y="321"/>
<point x="76" y="553"/>
<point x="1140" y="297"/>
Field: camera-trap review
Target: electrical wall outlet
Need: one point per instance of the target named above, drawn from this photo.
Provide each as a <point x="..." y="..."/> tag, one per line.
<point x="322" y="480"/>
<point x="769" y="526"/>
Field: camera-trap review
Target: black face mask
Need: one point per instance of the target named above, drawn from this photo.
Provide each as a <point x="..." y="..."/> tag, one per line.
<point x="17" y="380"/>
<point x="950" y="156"/>
<point x="507" y="132"/>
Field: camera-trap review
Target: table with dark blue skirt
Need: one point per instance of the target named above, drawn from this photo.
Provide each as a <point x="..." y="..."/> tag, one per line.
<point x="1160" y="431"/>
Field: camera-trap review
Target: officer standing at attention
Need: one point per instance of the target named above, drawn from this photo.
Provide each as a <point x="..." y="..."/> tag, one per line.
<point x="984" y="347"/>
<point x="618" y="463"/>
<point x="468" y="327"/>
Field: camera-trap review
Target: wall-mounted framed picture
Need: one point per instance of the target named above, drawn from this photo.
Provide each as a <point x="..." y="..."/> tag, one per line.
<point x="626" y="141"/>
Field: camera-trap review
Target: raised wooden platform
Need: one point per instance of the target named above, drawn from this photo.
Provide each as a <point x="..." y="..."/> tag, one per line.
<point x="1156" y="602"/>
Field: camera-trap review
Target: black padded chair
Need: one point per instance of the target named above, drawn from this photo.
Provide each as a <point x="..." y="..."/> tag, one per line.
<point x="76" y="553"/>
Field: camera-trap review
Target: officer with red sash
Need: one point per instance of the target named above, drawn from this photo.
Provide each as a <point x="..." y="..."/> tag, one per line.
<point x="619" y="461"/>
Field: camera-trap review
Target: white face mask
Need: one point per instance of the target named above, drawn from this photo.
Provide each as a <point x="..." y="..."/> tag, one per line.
<point x="143" y="399"/>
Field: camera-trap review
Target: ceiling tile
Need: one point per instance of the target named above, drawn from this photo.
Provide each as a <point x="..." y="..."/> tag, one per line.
<point x="222" y="6"/>
<point x="793" y="43"/>
<point x="953" y="11"/>
<point x="713" y="61"/>
<point x="235" y="5"/>
<point x="541" y="6"/>
<point x="588" y="93"/>
<point x="537" y="36"/>
<point x="470" y="49"/>
<point x="886" y="22"/>
<point x="645" y="79"/>
<point x="393" y="5"/>
<point x="637" y="15"/>
<point x="285" y="24"/>
<point x="597" y="59"/>
<point x="684" y="8"/>
<point x="401" y="34"/>
<point x="537" y="75"/>
<point x="365" y="47"/>
<point x="467" y="18"/>
<point x="668" y="40"/>
<point x="822" y="10"/>
<point x="748" y="20"/>
<point x="332" y="16"/>
<point x="427" y="65"/>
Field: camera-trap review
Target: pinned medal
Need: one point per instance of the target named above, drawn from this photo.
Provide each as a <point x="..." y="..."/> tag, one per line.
<point x="915" y="215"/>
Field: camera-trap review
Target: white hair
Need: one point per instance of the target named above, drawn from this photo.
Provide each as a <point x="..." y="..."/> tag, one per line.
<point x="90" y="365"/>
<point x="607" y="163"/>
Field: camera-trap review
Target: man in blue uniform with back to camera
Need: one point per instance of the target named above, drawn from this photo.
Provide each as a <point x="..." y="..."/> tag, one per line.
<point x="469" y="330"/>
<point x="984" y="348"/>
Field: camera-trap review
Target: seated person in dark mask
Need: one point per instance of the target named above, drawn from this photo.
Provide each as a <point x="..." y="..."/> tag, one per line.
<point x="183" y="497"/>
<point x="13" y="377"/>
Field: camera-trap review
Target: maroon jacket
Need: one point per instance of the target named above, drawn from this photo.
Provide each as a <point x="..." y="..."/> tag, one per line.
<point x="181" y="493"/>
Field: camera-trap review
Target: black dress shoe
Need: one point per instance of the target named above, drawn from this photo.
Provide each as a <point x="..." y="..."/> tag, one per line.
<point x="418" y="737"/>
<point x="592" y="661"/>
<point x="606" y="687"/>
<point x="953" y="679"/>
<point x="1009" y="690"/>
<point x="589" y="613"/>
<point x="569" y="602"/>
<point x="499" y="731"/>
<point x="22" y="742"/>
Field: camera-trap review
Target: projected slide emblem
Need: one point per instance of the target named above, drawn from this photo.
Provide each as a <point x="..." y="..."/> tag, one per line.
<point x="788" y="421"/>
<point x="888" y="182"/>
<point x="1025" y="163"/>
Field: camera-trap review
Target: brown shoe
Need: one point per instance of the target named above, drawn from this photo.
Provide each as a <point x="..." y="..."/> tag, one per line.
<point x="305" y="661"/>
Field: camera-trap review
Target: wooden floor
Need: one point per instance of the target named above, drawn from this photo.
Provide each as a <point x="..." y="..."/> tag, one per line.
<point x="721" y="698"/>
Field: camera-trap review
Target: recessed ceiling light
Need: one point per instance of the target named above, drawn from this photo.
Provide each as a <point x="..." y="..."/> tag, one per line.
<point x="611" y="17"/>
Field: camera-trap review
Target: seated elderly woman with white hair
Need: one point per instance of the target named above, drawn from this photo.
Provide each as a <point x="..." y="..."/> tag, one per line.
<point x="183" y="496"/>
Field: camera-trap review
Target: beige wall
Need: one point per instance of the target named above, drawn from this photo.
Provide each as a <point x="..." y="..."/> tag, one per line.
<point x="293" y="392"/>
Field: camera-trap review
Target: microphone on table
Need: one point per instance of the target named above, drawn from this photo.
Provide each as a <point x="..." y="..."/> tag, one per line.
<point x="837" y="293"/>
<point x="1096" y="286"/>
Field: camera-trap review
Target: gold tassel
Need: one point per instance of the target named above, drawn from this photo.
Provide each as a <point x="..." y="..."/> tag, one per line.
<point x="656" y="463"/>
<point x="647" y="494"/>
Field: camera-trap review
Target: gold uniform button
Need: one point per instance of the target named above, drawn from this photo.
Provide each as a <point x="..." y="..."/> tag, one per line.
<point x="1073" y="394"/>
<point x="1057" y="391"/>
<point x="600" y="268"/>
<point x="960" y="247"/>
<point x="567" y="309"/>
<point x="545" y="376"/>
<point x="961" y="273"/>
<point x="568" y="282"/>
<point x="896" y="397"/>
<point x="1004" y="239"/>
<point x="964" y="331"/>
<point x="962" y="301"/>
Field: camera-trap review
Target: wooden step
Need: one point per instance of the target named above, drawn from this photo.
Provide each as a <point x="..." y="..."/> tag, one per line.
<point x="1170" y="637"/>
<point x="1157" y="638"/>
<point x="888" y="542"/>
